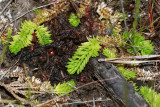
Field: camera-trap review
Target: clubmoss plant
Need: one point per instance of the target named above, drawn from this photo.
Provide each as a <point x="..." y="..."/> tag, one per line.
<point x="65" y="87"/>
<point x="24" y="37"/>
<point x="82" y="55"/>
<point x="147" y="93"/>
<point x="109" y="53"/>
<point x="141" y="45"/>
<point x="43" y="35"/>
<point x="127" y="73"/>
<point x="150" y="96"/>
<point x="74" y="19"/>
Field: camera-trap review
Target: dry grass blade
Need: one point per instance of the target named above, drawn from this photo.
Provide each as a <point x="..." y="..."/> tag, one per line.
<point x="12" y="92"/>
<point x="90" y="101"/>
<point x="7" y="101"/>
<point x="133" y="62"/>
<point x="131" y="57"/>
<point x="6" y="7"/>
<point x="48" y="101"/>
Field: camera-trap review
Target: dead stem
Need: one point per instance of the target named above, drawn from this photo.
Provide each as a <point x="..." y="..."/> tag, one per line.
<point x="25" y="14"/>
<point x="75" y="90"/>
<point x="6" y="7"/>
<point x="126" y="26"/>
<point x="16" y="96"/>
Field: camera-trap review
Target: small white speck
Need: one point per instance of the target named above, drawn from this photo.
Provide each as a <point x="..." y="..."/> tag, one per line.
<point x="129" y="15"/>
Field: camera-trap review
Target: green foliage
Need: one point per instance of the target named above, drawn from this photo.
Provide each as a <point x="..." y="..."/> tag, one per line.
<point x="43" y="35"/>
<point x="125" y="35"/>
<point x="140" y="44"/>
<point x="37" y="11"/>
<point x="135" y="87"/>
<point x="128" y="74"/>
<point x="74" y="20"/>
<point x="150" y="96"/>
<point x="146" y="47"/>
<point x="65" y="87"/>
<point x="82" y="55"/>
<point x="109" y="53"/>
<point x="24" y="37"/>
<point x="136" y="14"/>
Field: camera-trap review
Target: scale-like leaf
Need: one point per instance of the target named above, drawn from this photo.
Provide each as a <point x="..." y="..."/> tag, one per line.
<point x="64" y="87"/>
<point x="24" y="37"/>
<point x="82" y="55"/>
<point x="43" y="35"/>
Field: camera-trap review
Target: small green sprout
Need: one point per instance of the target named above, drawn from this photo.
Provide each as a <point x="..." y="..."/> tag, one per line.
<point x="24" y="37"/>
<point x="65" y="87"/>
<point x="109" y="53"/>
<point x="74" y="19"/>
<point x="127" y="73"/>
<point x="36" y="11"/>
<point x="140" y="44"/>
<point x="150" y="96"/>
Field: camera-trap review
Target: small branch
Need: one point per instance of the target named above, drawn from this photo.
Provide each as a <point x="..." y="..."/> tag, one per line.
<point x="39" y="105"/>
<point x="16" y="96"/>
<point x="33" y="10"/>
<point x="9" y="68"/>
<point x="125" y="22"/>
<point x="6" y="7"/>
<point x="132" y="57"/>
<point x="90" y="101"/>
<point x="7" y="101"/>
<point x="25" y="14"/>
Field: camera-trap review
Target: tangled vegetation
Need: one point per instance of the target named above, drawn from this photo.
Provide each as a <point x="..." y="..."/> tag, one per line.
<point x="25" y="36"/>
<point x="73" y="48"/>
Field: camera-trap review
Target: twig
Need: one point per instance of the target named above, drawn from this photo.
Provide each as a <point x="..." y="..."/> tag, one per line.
<point x="133" y="62"/>
<point x="125" y="22"/>
<point x="132" y="57"/>
<point x="82" y="102"/>
<point x="10" y="68"/>
<point x="115" y="60"/>
<point x="27" y="13"/>
<point x="56" y="102"/>
<point x="109" y="31"/>
<point x="7" y="101"/>
<point x="94" y="105"/>
<point x="16" y="96"/>
<point x="6" y="7"/>
<point x="75" y="90"/>
<point x="33" y="10"/>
